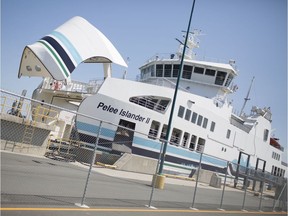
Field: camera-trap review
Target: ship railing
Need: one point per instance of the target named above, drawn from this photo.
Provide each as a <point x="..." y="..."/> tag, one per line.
<point x="44" y="115"/>
<point x="255" y="174"/>
<point x="15" y="106"/>
<point x="175" y="57"/>
<point x="72" y="86"/>
<point x="160" y="81"/>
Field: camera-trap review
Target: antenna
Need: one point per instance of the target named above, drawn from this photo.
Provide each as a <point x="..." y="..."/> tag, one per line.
<point x="247" y="97"/>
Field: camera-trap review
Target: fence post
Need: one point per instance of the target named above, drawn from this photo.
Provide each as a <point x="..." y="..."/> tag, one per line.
<point x="245" y="187"/>
<point x="154" y="178"/>
<point x="262" y="183"/>
<point x="195" y="190"/>
<point x="90" y="169"/>
<point x="221" y="202"/>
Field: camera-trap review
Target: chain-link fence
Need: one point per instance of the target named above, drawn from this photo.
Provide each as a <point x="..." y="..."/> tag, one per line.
<point x="61" y="161"/>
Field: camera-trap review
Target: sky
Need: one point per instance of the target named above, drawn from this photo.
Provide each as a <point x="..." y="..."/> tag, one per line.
<point x="251" y="32"/>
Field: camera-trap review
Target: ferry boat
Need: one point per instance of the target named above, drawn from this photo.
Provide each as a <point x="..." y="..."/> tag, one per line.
<point x="203" y="119"/>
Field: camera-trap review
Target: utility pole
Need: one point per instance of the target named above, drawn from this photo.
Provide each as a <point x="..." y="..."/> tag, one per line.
<point x="175" y="95"/>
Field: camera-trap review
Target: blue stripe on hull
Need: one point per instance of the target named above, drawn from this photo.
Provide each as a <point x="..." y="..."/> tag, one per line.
<point x="151" y="148"/>
<point x="178" y="151"/>
<point x="93" y="129"/>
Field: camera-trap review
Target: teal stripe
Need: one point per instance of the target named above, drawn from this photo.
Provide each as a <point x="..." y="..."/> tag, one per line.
<point x="94" y="129"/>
<point x="181" y="152"/>
<point x="56" y="57"/>
<point x="152" y="144"/>
<point x="76" y="56"/>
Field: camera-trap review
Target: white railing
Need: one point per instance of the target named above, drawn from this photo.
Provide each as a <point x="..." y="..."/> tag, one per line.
<point x="72" y="86"/>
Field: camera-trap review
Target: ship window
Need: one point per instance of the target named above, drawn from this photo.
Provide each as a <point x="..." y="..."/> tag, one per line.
<point x="154" y="128"/>
<point x="229" y="79"/>
<point x="220" y="77"/>
<point x="198" y="70"/>
<point x="212" y="127"/>
<point x="228" y="134"/>
<point x="185" y="139"/>
<point x="175" y="136"/>
<point x="205" y="122"/>
<point x="210" y="72"/>
<point x="187" y="72"/>
<point x="275" y="170"/>
<point x="159" y="70"/>
<point x="167" y="70"/>
<point x="151" y="102"/>
<point x="200" y="145"/>
<point x="194" y="117"/>
<point x="181" y="111"/>
<point x="163" y="105"/>
<point x="176" y="69"/>
<point x="266" y="133"/>
<point x="272" y="171"/>
<point x="163" y="133"/>
<point x="151" y="68"/>
<point x="188" y="114"/>
<point x="199" y="121"/>
<point x="193" y="142"/>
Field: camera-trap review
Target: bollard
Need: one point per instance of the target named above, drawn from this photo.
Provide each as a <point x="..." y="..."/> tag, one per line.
<point x="159" y="181"/>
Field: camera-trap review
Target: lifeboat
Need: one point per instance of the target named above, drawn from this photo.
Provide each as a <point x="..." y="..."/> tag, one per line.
<point x="274" y="142"/>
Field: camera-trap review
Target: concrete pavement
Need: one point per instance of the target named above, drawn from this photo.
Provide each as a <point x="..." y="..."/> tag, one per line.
<point x="38" y="182"/>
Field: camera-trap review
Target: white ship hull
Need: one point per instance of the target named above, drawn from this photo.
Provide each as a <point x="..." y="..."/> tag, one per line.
<point x="112" y="104"/>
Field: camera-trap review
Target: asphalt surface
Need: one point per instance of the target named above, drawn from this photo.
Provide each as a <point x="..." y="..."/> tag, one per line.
<point x="40" y="186"/>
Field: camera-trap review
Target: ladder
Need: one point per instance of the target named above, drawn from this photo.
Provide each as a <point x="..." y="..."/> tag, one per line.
<point x="28" y="133"/>
<point x="8" y="142"/>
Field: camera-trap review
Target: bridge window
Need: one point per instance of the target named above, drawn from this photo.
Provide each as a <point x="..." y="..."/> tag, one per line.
<point x="176" y="69"/>
<point x="229" y="79"/>
<point x="152" y="69"/>
<point x="198" y="70"/>
<point x="187" y="72"/>
<point x="210" y="72"/>
<point x="159" y="70"/>
<point x="220" y="78"/>
<point x="167" y="70"/>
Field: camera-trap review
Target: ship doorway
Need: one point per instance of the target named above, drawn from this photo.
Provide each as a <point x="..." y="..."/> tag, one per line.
<point x="124" y="137"/>
<point x="242" y="168"/>
<point x="260" y="167"/>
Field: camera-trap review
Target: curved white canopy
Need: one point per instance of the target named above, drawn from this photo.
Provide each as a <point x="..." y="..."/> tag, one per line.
<point x="56" y="55"/>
